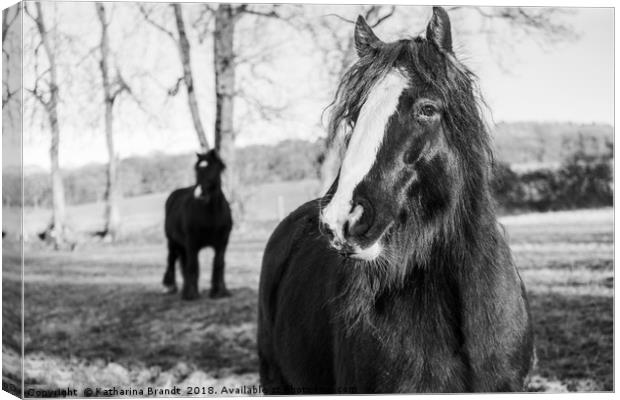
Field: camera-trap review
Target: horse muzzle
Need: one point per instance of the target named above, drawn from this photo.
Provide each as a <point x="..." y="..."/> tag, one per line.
<point x="347" y="232"/>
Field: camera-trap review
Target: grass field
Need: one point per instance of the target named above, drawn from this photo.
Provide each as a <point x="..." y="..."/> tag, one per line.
<point x="146" y="213"/>
<point x="95" y="317"/>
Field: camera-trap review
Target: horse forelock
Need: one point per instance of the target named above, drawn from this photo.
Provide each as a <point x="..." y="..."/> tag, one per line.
<point x="450" y="79"/>
<point x="355" y="86"/>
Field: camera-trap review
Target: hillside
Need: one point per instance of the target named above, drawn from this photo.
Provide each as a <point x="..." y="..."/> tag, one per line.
<point x="289" y="160"/>
<point x="548" y="143"/>
<point x="523" y="145"/>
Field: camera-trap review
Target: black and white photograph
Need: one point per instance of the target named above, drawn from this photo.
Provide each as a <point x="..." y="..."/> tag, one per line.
<point x="212" y="199"/>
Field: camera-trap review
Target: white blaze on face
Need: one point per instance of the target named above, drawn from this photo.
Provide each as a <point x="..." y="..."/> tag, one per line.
<point x="361" y="153"/>
<point x="198" y="188"/>
<point x="197" y="191"/>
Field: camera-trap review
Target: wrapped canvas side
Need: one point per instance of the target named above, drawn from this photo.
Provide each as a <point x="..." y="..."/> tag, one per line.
<point x="12" y="201"/>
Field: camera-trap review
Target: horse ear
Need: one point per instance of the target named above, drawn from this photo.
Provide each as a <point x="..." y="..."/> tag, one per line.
<point x="438" y="30"/>
<point x="365" y="38"/>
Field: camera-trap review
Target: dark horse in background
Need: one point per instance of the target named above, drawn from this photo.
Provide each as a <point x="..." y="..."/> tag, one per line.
<point x="196" y="217"/>
<point x="399" y="279"/>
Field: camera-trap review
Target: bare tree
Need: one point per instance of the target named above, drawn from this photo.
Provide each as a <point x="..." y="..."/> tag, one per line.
<point x="187" y="79"/>
<point x="506" y="27"/>
<point x="112" y="88"/>
<point x="224" y="62"/>
<point x="48" y="98"/>
<point x="219" y="21"/>
<point x="7" y="21"/>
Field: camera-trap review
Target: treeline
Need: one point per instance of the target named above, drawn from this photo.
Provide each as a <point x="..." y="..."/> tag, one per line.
<point x="580" y="175"/>
<point x="581" y="181"/>
<point x="553" y="166"/>
<point x="549" y="143"/>
<point x="156" y="173"/>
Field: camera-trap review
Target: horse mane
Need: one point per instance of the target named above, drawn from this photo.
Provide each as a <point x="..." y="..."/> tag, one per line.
<point x="462" y="233"/>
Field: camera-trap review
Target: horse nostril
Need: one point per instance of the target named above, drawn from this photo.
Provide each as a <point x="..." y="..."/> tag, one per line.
<point x="359" y="228"/>
<point x="345" y="228"/>
<point x="359" y="221"/>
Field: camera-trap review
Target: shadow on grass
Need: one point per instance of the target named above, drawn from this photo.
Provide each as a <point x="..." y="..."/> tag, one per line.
<point x="142" y="327"/>
<point x="11" y="329"/>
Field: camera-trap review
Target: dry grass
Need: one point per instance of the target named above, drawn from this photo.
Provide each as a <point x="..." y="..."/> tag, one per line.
<point x="566" y="261"/>
<point x="95" y="317"/>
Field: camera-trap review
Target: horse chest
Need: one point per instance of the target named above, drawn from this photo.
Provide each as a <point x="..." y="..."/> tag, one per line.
<point x="198" y="223"/>
<point x="205" y="217"/>
<point x="409" y="348"/>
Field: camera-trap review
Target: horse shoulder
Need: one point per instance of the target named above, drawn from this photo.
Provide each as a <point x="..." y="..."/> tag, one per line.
<point x="173" y="211"/>
<point x="293" y="328"/>
<point x="278" y="250"/>
<point x="175" y="199"/>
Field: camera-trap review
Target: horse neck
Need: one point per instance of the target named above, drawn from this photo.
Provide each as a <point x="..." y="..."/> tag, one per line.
<point x="216" y="193"/>
<point x="457" y="262"/>
<point x="463" y="237"/>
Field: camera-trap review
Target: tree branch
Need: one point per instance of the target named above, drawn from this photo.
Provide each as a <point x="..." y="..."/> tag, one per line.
<point x="174" y="90"/>
<point x="270" y="14"/>
<point x="368" y="15"/>
<point x="38" y="96"/>
<point x="339" y="17"/>
<point x="202" y="22"/>
<point x="6" y="23"/>
<point x="147" y="18"/>
<point x="87" y="55"/>
<point x="383" y="18"/>
<point x="9" y="94"/>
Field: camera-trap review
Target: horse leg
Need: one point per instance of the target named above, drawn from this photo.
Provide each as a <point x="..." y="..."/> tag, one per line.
<point x="190" y="274"/>
<point x="218" y="287"/>
<point x="170" y="285"/>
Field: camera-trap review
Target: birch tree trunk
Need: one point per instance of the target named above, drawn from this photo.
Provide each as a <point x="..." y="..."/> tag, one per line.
<point x="57" y="230"/>
<point x="112" y="192"/>
<point x="223" y="57"/>
<point x="188" y="78"/>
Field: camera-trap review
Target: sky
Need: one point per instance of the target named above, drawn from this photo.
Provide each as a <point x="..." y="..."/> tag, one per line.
<point x="572" y="81"/>
<point x="567" y="81"/>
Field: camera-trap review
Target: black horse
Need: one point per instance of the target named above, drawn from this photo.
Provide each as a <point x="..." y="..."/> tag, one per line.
<point x="399" y="279"/>
<point x="196" y="217"/>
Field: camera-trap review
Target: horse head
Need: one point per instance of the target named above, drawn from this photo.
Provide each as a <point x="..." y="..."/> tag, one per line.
<point x="417" y="148"/>
<point x="208" y="168"/>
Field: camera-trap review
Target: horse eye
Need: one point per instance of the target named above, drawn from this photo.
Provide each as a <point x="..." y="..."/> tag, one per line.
<point x="410" y="157"/>
<point x="428" y="110"/>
